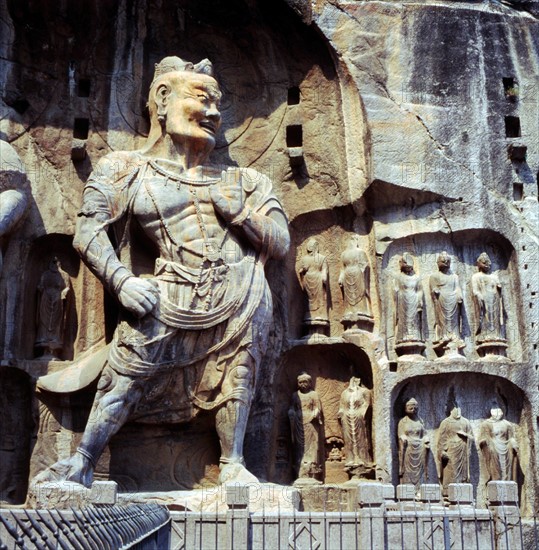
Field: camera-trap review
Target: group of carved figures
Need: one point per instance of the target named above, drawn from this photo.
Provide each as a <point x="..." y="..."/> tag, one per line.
<point x="497" y="445"/>
<point x="446" y="295"/>
<point x="354" y="281"/>
<point x="307" y="428"/>
<point x="445" y="292"/>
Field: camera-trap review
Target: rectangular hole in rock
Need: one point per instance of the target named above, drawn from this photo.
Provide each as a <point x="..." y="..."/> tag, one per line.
<point x="293" y="95"/>
<point x="80" y="128"/>
<point x="294" y="136"/>
<point x="518" y="191"/>
<point x="83" y="89"/>
<point x="512" y="126"/>
<point x="508" y="83"/>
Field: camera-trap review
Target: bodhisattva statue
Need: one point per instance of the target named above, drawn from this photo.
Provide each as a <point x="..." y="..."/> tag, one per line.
<point x="192" y="335"/>
<point x="353" y="407"/>
<point x="487" y="293"/>
<point x="306" y="426"/>
<point x="499" y="447"/>
<point x="354" y="280"/>
<point x="13" y="197"/>
<point x="408" y="296"/>
<point x="447" y="299"/>
<point x="413" y="446"/>
<point x="313" y="277"/>
<point x="455" y="439"/>
<point x="53" y="290"/>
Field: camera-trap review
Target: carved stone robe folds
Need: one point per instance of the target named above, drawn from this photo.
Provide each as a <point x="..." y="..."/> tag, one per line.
<point x="412" y="451"/>
<point x="206" y="318"/>
<point x="408" y="302"/>
<point x="489" y="306"/>
<point x="305" y="416"/>
<point x="499" y="446"/>
<point x="354" y="281"/>
<point x="446" y="296"/>
<point x="454" y="441"/>
<point x="314" y="279"/>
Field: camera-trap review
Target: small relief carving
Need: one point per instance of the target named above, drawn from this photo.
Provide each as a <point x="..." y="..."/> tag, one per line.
<point x="313" y="277"/>
<point x="413" y="446"/>
<point x="446" y="296"/>
<point x="354" y="404"/>
<point x="408" y="297"/>
<point x="335" y="446"/>
<point x="52" y="304"/>
<point x="306" y="425"/>
<point x="499" y="447"/>
<point x="454" y="444"/>
<point x="489" y="309"/>
<point x="354" y="280"/>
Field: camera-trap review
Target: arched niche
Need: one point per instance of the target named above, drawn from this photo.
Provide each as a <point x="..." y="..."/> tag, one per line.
<point x="41" y="252"/>
<point x="475" y="394"/>
<point x="16" y="429"/>
<point x="331" y="367"/>
<point x="464" y="247"/>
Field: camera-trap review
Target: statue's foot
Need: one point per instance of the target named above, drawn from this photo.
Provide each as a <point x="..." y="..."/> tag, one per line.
<point x="236" y="473"/>
<point x="76" y="469"/>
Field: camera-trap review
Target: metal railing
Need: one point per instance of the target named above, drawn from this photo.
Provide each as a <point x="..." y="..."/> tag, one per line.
<point x="99" y="527"/>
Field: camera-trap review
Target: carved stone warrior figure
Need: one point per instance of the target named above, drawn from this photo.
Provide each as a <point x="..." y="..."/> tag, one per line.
<point x="306" y="426"/>
<point x="313" y="277"/>
<point x="193" y="333"/>
<point x="408" y="297"/>
<point x="447" y="300"/>
<point x="13" y="198"/>
<point x="53" y="290"/>
<point x="413" y="446"/>
<point x="354" y="281"/>
<point x="499" y="447"/>
<point x="353" y="407"/>
<point x="487" y="293"/>
<point x="455" y="439"/>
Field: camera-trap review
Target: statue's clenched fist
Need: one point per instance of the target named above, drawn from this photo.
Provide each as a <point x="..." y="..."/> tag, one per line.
<point x="138" y="296"/>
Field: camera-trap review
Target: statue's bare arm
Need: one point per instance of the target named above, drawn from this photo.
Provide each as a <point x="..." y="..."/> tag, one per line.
<point x="13" y="204"/>
<point x="92" y="242"/>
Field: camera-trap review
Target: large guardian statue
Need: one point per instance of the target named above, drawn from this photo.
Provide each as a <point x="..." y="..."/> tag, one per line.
<point x="193" y="332"/>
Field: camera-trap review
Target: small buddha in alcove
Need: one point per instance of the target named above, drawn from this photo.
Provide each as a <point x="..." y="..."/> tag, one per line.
<point x="52" y="300"/>
<point x="313" y="278"/>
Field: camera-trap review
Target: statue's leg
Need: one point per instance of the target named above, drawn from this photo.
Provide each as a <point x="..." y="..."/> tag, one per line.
<point x="114" y="402"/>
<point x="231" y="419"/>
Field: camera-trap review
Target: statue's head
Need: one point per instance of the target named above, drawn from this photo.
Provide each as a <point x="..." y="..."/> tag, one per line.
<point x="483" y="262"/>
<point x="184" y="101"/>
<point x="496" y="413"/>
<point x="444" y="260"/>
<point x="355" y="382"/>
<point x="312" y="246"/>
<point x="305" y="382"/>
<point x="411" y="406"/>
<point x="456" y="412"/>
<point x="407" y="263"/>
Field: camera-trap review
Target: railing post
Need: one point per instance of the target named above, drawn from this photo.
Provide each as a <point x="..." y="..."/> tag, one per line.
<point x="370" y="498"/>
<point x="237" y="516"/>
<point x="502" y="499"/>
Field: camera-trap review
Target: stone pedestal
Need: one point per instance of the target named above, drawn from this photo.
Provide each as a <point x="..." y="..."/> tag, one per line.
<point x="503" y="503"/>
<point x="459" y="494"/>
<point x="65" y="494"/>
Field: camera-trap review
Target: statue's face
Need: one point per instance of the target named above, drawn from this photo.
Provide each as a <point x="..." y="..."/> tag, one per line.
<point x="411" y="407"/>
<point x="455" y="412"/>
<point x="304" y="385"/>
<point x="193" y="109"/>
<point x="496" y="414"/>
<point x="444" y="262"/>
<point x="483" y="263"/>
